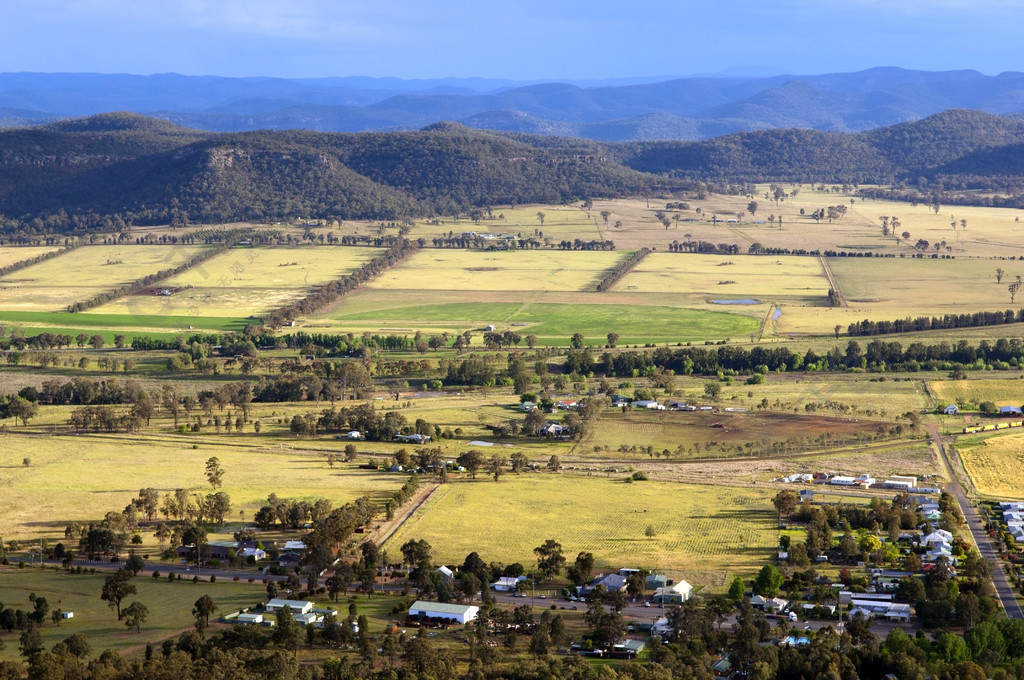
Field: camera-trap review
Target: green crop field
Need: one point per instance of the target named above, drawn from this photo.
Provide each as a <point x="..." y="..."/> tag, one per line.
<point x="170" y="606"/>
<point x="245" y="282"/>
<point x="80" y="478"/>
<point x="84" y="272"/>
<point x="703" y="534"/>
<point x="555" y="323"/>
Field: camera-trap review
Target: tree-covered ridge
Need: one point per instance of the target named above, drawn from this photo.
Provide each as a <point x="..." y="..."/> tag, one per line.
<point x="121" y="168"/>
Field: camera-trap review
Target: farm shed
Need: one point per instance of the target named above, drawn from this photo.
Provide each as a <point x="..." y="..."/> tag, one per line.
<point x="1010" y="411"/>
<point x="507" y="584"/>
<point x="297" y="606"/>
<point x="424" y="610"/>
<point x="951" y="410"/>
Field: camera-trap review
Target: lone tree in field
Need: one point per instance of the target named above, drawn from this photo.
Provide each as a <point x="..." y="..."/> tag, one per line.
<point x="605" y="214"/>
<point x="540" y="217"/>
<point x="549" y="557"/>
<point x="496" y="466"/>
<point x="612" y="339"/>
<point x="649" y="532"/>
<point x="204" y="606"/>
<point x="116" y="588"/>
<point x="999" y="274"/>
<point x="135" y="615"/>
<point x="1014" y="288"/>
<point x="214" y="472"/>
<point x="752" y="208"/>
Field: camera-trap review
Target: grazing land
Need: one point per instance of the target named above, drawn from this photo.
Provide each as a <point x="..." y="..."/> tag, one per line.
<point x="78" y="478"/>
<point x="12" y="255"/>
<point x="84" y="272"/>
<point x="705" y="534"/>
<point x="170" y="606"/>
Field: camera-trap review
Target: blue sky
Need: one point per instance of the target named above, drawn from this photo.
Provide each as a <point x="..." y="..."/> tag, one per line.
<point x="524" y="40"/>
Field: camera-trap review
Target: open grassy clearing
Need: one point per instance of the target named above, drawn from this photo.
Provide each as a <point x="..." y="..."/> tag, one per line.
<point x="81" y="477"/>
<point x="82" y="273"/>
<point x="522" y="270"/>
<point x="13" y="254"/>
<point x="245" y="281"/>
<point x="704" y="534"/>
<point x="994" y="463"/>
<point x="170" y="607"/>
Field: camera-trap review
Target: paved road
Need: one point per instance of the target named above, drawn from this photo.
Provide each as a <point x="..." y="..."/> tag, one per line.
<point x="1007" y="595"/>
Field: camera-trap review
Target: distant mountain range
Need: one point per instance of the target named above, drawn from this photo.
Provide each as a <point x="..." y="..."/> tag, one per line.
<point x="639" y="110"/>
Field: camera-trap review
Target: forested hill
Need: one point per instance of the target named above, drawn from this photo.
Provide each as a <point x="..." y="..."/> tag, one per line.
<point x="99" y="171"/>
<point x="946" y="146"/>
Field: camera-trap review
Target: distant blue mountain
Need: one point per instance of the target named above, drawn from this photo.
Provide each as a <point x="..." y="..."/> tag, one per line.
<point x="690" y="108"/>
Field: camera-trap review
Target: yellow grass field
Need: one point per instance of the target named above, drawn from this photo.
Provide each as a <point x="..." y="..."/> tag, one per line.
<point x="1003" y="391"/>
<point x="797" y="280"/>
<point x="81" y="478"/>
<point x="703" y="534"/>
<point x="523" y="271"/>
<point x="246" y="281"/>
<point x="82" y="273"/>
<point x="994" y="465"/>
<point x="12" y="254"/>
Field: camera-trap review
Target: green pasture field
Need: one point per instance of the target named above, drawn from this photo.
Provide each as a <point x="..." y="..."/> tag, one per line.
<point x="703" y="534"/>
<point x="82" y="477"/>
<point x="84" y="272"/>
<point x="994" y="464"/>
<point x="516" y="270"/>
<point x="13" y="254"/>
<point x="170" y="606"/>
<point x="553" y="323"/>
<point x="246" y="281"/>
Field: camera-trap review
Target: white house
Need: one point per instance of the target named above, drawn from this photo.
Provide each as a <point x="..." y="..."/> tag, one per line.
<point x="951" y="410"/>
<point x="294" y="545"/>
<point x="442" y="610"/>
<point x="507" y="584"/>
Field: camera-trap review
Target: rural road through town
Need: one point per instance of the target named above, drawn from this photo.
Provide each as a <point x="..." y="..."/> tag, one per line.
<point x="1003" y="588"/>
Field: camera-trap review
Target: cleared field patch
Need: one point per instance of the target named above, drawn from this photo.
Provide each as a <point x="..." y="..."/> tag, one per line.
<point x="13" y="254"/>
<point x="720" y="434"/>
<point x="85" y="272"/>
<point x="246" y="281"/>
<point x="994" y="464"/>
<point x="794" y="280"/>
<point x="703" y="534"/>
<point x="80" y="478"/>
<point x="892" y="285"/>
<point x="535" y="270"/>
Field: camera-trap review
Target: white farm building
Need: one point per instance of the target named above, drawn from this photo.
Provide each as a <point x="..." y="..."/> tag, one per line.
<point x="458" y="613"/>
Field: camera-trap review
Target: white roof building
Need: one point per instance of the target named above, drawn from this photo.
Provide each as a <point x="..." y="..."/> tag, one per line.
<point x="443" y="610"/>
<point x="297" y="606"/>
